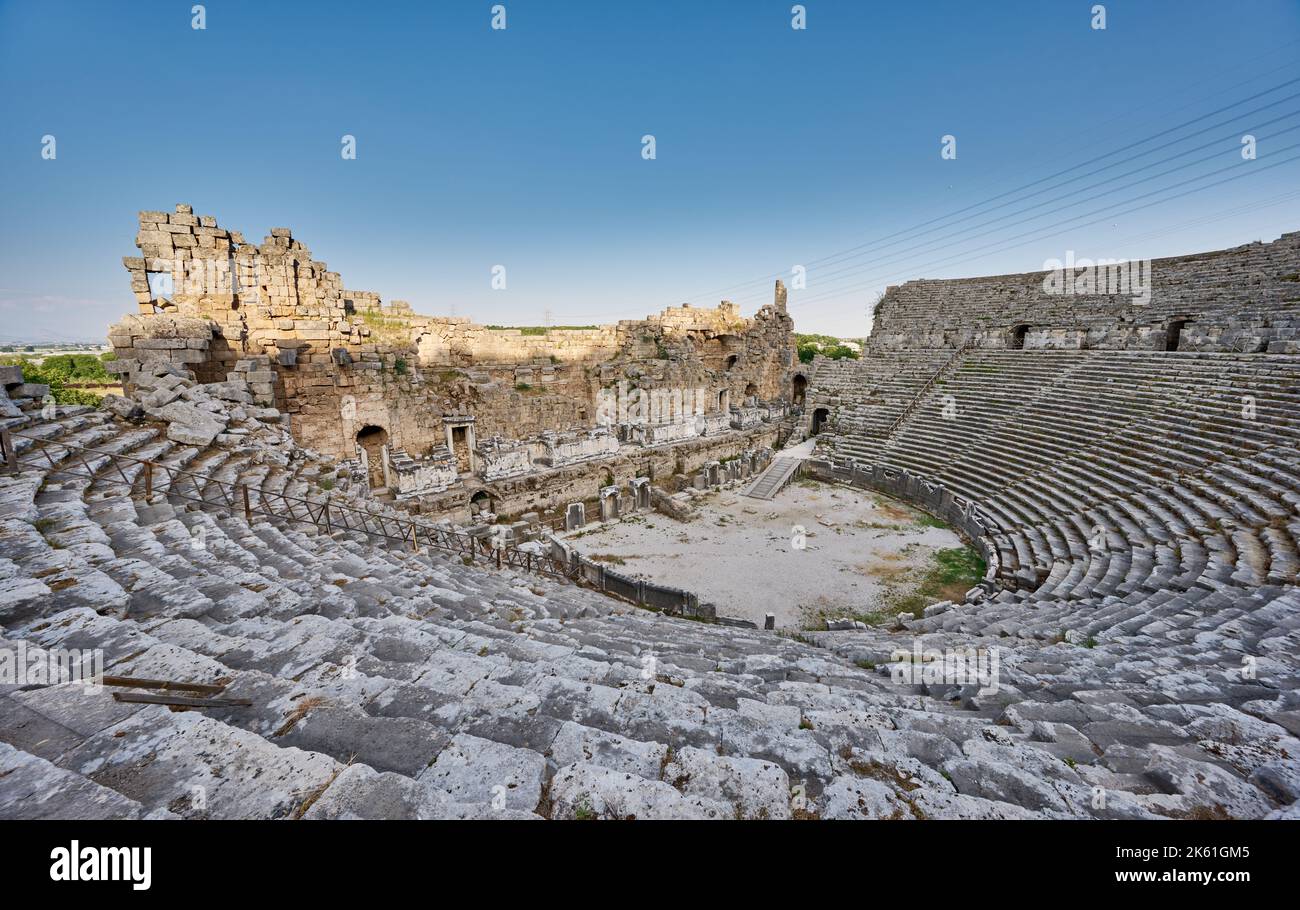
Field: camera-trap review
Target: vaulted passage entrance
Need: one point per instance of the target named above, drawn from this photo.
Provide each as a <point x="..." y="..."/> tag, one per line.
<point x="819" y="420"/>
<point x="372" y="440"/>
<point x="1174" y="334"/>
<point x="799" y="389"/>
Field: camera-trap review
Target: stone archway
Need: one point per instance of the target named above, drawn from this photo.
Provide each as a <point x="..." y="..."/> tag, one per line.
<point x="798" y="390"/>
<point x="372" y="440"/>
<point x="819" y="418"/>
<point x="480" y="502"/>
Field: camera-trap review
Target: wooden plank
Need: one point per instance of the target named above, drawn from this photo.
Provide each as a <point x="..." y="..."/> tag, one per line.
<point x="164" y="684"/>
<point x="181" y="700"/>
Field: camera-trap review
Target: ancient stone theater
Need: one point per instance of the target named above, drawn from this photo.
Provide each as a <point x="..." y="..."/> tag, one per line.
<point x="326" y="557"/>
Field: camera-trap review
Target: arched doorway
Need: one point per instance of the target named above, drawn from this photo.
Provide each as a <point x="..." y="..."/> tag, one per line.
<point x="1018" y="337"/>
<point x="480" y="502"/>
<point x="820" y="416"/>
<point x="751" y="392"/>
<point x="371" y="440"/>
<point x="798" y="390"/>
<point x="731" y="360"/>
<point x="724" y="401"/>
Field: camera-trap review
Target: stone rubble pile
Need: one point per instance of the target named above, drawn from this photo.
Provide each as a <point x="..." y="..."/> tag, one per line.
<point x="15" y="392"/>
<point x="201" y="414"/>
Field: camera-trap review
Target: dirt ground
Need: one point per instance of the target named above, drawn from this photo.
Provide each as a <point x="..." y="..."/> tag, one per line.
<point x="743" y="555"/>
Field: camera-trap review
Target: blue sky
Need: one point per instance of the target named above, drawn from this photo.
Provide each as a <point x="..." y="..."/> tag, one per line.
<point x="522" y="147"/>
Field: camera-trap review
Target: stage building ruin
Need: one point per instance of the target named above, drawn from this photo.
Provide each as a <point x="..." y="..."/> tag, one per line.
<point x="452" y="417"/>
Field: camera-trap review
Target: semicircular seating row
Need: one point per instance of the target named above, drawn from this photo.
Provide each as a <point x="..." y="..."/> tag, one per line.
<point x="1108" y="472"/>
<point x="389" y="682"/>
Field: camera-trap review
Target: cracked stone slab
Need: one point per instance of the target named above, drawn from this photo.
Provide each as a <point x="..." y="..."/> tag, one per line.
<point x="199" y="767"/>
<point x="476" y="770"/>
<point x="33" y="788"/>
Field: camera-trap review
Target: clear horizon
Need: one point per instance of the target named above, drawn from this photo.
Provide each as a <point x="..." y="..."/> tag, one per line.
<point x="522" y="147"/>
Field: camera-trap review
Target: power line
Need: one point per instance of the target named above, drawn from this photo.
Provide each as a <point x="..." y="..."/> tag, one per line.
<point x="1221" y="215"/>
<point x="913" y="252"/>
<point x="870" y="244"/>
<point x="950" y="260"/>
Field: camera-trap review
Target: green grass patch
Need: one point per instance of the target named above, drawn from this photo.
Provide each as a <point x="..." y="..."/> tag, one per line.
<point x="541" y="329"/>
<point x="59" y="376"/>
<point x="929" y="521"/>
<point x="378" y="322"/>
<point x="951" y="574"/>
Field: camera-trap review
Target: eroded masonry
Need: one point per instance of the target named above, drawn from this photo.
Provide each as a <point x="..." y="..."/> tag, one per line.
<point x="455" y="418"/>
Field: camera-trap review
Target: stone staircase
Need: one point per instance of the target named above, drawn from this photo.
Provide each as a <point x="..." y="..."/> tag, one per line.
<point x="774" y="477"/>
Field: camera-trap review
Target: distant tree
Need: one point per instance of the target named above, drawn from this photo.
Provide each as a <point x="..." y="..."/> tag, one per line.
<point x="809" y="346"/>
<point x="56" y="380"/>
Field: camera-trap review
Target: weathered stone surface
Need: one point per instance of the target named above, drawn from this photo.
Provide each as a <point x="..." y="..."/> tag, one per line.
<point x="585" y="791"/>
<point x="1205" y="786"/>
<point x="189" y="424"/>
<point x="33" y="788"/>
<point x="475" y="770"/>
<point x="756" y="789"/>
<point x="125" y="408"/>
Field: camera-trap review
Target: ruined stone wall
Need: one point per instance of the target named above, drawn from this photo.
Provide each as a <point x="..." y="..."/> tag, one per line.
<point x="551" y="490"/>
<point x="344" y="360"/>
<point x="1245" y="299"/>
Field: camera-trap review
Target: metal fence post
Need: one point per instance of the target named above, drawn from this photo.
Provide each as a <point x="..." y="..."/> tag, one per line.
<point x="11" y="457"/>
<point x="248" y="509"/>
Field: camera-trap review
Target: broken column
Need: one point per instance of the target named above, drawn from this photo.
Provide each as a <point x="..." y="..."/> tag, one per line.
<point x="575" y="516"/>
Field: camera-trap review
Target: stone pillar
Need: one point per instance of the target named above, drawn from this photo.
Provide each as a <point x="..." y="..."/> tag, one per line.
<point x="575" y="516"/>
<point x="608" y="503"/>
